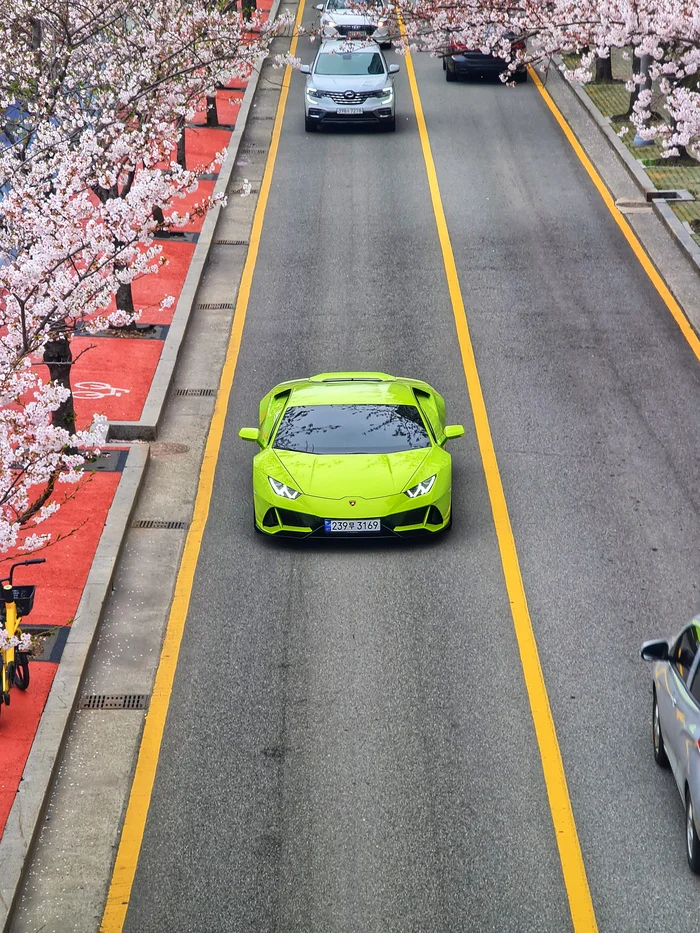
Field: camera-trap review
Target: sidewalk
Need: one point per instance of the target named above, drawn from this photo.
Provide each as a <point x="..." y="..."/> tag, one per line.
<point x="114" y="377"/>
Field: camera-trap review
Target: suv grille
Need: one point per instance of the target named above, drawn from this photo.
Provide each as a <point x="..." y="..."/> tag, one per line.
<point x="358" y="97"/>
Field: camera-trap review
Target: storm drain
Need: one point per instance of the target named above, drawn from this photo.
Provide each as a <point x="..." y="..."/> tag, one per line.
<point x="159" y="523"/>
<point x="232" y="242"/>
<point x="217" y="306"/>
<point x="199" y="393"/>
<point x="114" y="701"/>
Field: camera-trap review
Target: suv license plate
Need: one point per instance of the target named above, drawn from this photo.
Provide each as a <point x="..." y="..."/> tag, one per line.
<point x="357" y="525"/>
<point x="357" y="34"/>
<point x="351" y="111"/>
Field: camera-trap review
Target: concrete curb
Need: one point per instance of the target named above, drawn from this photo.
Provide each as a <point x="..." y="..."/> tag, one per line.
<point x="25" y="819"/>
<point x="146" y="428"/>
<point x="682" y="238"/>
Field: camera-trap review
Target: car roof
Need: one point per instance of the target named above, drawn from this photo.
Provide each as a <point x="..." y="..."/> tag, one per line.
<point x="352" y="389"/>
<point x="349" y="45"/>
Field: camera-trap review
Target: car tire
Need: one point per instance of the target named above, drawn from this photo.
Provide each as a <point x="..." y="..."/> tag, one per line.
<point x="255" y="526"/>
<point x="657" y="738"/>
<point x="450" y="74"/>
<point x="520" y="77"/>
<point x="310" y="125"/>
<point x="444" y="63"/>
<point x="385" y="45"/>
<point x="390" y="125"/>
<point x="692" y="840"/>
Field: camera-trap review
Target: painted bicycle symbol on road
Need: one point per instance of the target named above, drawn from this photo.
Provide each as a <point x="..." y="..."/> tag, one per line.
<point x="97" y="390"/>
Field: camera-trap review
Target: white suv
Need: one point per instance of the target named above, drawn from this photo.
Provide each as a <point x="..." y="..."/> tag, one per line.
<point x="349" y="82"/>
<point x="358" y="19"/>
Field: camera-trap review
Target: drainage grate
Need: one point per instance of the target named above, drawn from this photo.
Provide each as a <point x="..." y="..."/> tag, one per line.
<point x="257" y="116"/>
<point x="217" y="306"/>
<point x="114" y="701"/>
<point x="250" y="149"/>
<point x="200" y="393"/>
<point x="159" y="523"/>
<point x="230" y="242"/>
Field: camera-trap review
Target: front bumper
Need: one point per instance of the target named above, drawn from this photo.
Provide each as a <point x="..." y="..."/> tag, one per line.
<point x="400" y="516"/>
<point x="371" y="112"/>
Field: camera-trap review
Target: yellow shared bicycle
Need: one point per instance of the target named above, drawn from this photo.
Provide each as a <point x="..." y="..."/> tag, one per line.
<point x="17" y="601"/>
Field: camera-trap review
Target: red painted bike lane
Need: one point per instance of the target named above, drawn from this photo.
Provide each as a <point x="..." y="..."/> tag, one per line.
<point x="112" y="375"/>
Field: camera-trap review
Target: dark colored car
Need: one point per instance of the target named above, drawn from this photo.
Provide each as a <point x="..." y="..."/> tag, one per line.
<point x="461" y="62"/>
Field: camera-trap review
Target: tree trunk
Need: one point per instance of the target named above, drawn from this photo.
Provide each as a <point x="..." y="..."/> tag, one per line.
<point x="603" y="69"/>
<point x="124" y="297"/>
<point x="212" y="115"/>
<point x="59" y="359"/>
<point x="180" y="151"/>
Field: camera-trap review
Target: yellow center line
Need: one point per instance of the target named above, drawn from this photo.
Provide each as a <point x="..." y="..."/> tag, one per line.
<point x="573" y="869"/>
<point x="144" y="776"/>
<point x="621" y="221"/>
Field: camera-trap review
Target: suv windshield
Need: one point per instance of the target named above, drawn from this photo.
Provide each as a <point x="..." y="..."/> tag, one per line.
<point x="351" y="429"/>
<point x="349" y="63"/>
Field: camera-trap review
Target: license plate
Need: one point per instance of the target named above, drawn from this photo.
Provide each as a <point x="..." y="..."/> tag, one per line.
<point x="357" y="35"/>
<point x="356" y="525"/>
<point x="351" y="111"/>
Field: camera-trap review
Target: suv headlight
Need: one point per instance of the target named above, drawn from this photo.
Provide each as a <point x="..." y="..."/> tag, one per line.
<point x="420" y="489"/>
<point x="328" y="21"/>
<point x="312" y="93"/>
<point x="282" y="489"/>
<point x="386" y="93"/>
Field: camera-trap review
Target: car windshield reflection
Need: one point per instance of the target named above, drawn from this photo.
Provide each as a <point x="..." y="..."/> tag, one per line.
<point x="351" y="429"/>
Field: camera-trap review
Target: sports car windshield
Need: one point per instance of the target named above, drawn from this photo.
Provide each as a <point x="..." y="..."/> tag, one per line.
<point x="351" y="429"/>
<point x="349" y="63"/>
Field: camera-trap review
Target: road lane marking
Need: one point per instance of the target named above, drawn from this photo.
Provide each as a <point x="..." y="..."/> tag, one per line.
<point x="629" y="234"/>
<point x="124" y="872"/>
<point x="573" y="869"/>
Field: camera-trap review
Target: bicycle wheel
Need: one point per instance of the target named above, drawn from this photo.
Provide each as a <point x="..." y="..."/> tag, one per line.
<point x="21" y="679"/>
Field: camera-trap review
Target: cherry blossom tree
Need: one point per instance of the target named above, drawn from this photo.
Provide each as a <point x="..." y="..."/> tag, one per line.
<point x="665" y="34"/>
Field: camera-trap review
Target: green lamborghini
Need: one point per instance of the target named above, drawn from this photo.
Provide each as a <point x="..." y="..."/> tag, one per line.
<point x="347" y="454"/>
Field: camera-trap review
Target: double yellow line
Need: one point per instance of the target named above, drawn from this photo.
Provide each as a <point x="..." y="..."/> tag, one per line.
<point x="581" y="907"/>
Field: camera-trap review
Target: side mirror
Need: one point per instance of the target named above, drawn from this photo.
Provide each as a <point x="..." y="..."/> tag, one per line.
<point x="453" y="430"/>
<point x="250" y="434"/>
<point x="655" y="650"/>
<point x="393" y="69"/>
<point x="305" y="69"/>
<point x="319" y="7"/>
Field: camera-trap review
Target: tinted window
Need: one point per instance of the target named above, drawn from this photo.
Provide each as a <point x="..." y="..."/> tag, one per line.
<point x="684" y="650"/>
<point x="349" y="63"/>
<point x="695" y="688"/>
<point x="351" y="429"/>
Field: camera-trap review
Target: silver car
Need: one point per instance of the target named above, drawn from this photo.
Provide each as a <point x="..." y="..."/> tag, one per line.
<point x="358" y="19"/>
<point x="349" y="82"/>
<point x="676" y="722"/>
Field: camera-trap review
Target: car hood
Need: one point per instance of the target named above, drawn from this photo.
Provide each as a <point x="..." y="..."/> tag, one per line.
<point x="366" y="476"/>
<point x="348" y="82"/>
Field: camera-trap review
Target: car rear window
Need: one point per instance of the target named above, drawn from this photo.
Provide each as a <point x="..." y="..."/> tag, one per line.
<point x="351" y="429"/>
<point x="349" y="63"/>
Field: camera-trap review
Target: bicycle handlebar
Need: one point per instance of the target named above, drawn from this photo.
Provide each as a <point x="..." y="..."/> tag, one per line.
<point x="23" y="563"/>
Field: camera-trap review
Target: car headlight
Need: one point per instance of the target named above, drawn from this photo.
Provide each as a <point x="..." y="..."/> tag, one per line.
<point x="420" y="489"/>
<point x="386" y="93"/>
<point x="328" y="21"/>
<point x="282" y="489"/>
<point x="313" y="94"/>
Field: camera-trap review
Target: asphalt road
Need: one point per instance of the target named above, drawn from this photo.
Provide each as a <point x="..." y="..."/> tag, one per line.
<point x="349" y="745"/>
